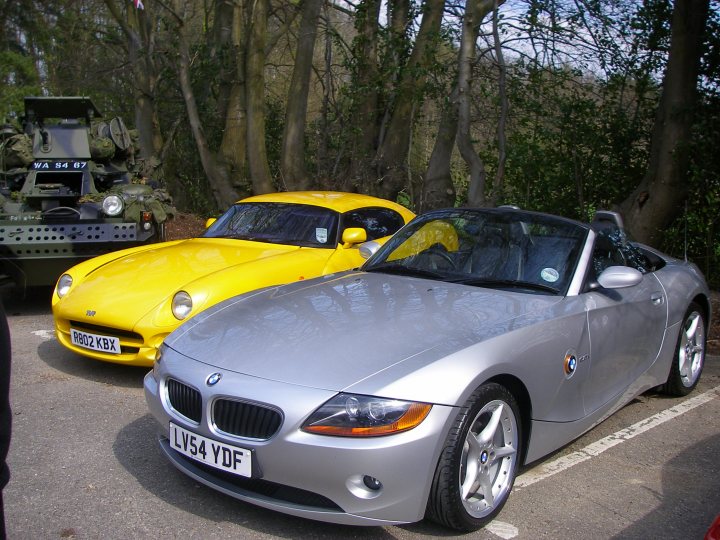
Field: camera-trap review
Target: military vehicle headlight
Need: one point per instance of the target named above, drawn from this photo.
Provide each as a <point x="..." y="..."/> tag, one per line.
<point x="113" y="205"/>
<point x="181" y="305"/>
<point x="63" y="285"/>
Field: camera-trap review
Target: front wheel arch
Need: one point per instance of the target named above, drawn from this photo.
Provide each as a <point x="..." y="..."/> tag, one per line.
<point x="520" y="392"/>
<point x="704" y="303"/>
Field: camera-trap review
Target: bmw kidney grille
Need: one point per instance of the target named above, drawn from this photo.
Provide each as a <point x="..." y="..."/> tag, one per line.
<point x="185" y="400"/>
<point x="237" y="418"/>
<point x="246" y="419"/>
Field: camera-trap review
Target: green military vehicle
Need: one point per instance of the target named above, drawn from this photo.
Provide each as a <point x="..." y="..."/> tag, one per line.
<point x="71" y="189"/>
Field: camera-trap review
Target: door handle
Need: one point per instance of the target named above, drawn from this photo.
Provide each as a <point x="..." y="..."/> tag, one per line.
<point x="657" y="299"/>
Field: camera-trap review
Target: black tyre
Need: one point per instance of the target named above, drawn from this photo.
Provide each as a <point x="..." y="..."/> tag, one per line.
<point x="689" y="357"/>
<point x="478" y="464"/>
<point x="161" y="232"/>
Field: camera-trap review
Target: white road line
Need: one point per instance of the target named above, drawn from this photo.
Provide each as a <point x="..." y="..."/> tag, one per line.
<point x="506" y="531"/>
<point x="45" y="334"/>
<point x="545" y="470"/>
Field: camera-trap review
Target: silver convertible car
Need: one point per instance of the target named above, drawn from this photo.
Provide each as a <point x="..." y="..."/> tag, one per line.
<point x="473" y="341"/>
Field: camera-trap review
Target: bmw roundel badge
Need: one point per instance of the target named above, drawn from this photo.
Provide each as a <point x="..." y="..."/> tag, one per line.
<point x="570" y="364"/>
<point x="213" y="379"/>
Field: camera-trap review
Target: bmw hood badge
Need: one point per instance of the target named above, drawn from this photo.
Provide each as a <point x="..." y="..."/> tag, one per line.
<point x="213" y="379"/>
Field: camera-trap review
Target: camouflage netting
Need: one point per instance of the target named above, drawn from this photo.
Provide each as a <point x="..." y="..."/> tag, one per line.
<point x="147" y="171"/>
<point x="139" y="198"/>
<point x="101" y="149"/>
<point x="112" y="150"/>
<point x="16" y="152"/>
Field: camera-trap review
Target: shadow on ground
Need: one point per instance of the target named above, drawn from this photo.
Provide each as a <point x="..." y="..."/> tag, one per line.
<point x="689" y="481"/>
<point x="30" y="301"/>
<point x="57" y="357"/>
<point x="137" y="450"/>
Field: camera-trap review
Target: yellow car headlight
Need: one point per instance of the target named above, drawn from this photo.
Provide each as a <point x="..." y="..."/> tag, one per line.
<point x="181" y="305"/>
<point x="63" y="285"/>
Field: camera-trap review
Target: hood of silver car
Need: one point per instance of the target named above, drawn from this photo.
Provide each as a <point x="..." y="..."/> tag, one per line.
<point x="335" y="331"/>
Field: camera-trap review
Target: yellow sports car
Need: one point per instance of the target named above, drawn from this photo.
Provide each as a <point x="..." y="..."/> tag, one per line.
<point x="119" y="307"/>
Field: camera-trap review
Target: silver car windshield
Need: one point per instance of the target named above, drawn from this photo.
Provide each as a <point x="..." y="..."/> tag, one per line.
<point x="278" y="223"/>
<point x="497" y="248"/>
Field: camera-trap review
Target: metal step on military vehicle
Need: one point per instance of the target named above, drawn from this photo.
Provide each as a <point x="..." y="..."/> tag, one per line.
<point x="71" y="189"/>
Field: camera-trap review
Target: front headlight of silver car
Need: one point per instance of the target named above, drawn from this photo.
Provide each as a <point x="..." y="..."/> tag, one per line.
<point x="354" y="415"/>
<point x="181" y="305"/>
<point x="113" y="205"/>
<point x="63" y="285"/>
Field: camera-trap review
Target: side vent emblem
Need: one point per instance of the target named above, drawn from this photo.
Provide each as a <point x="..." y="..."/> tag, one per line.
<point x="570" y="364"/>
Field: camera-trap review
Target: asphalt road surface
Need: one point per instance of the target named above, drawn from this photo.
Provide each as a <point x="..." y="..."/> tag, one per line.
<point x="85" y="464"/>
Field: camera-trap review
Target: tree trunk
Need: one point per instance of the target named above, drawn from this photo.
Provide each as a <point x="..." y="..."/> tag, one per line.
<point x="455" y="124"/>
<point x="394" y="58"/>
<point x="223" y="193"/>
<point x="255" y="71"/>
<point x="391" y="158"/>
<point x="499" y="184"/>
<point x="365" y="110"/>
<point x="466" y="57"/>
<point x="438" y="189"/>
<point x="138" y="26"/>
<point x="399" y="17"/>
<point x="475" y="13"/>
<point x="292" y="161"/>
<point x="323" y="146"/>
<point x="232" y="151"/>
<point x="657" y="201"/>
<point x="221" y="45"/>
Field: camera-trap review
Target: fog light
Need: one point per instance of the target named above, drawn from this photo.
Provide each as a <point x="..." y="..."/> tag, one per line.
<point x="372" y="482"/>
<point x="364" y="487"/>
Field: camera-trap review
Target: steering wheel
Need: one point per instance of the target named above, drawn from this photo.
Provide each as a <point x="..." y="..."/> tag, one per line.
<point x="437" y="253"/>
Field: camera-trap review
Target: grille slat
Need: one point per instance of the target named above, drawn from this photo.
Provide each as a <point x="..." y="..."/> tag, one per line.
<point x="185" y="400"/>
<point x="246" y="419"/>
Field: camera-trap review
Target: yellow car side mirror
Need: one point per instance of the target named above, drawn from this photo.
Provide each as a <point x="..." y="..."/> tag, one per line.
<point x="209" y="222"/>
<point x="353" y="236"/>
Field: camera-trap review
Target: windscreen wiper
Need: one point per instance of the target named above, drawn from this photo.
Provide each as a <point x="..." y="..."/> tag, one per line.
<point x="402" y="270"/>
<point x="513" y="283"/>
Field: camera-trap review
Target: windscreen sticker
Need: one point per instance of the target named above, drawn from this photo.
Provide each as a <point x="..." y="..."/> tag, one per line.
<point x="321" y="235"/>
<point x="550" y="275"/>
